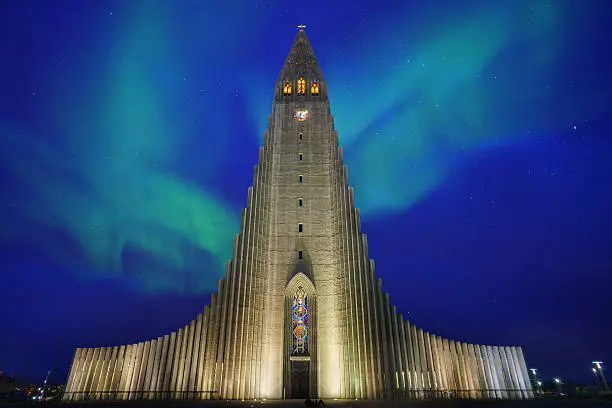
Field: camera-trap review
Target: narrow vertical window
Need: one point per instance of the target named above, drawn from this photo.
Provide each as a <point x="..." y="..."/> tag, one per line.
<point x="300" y="178"/>
<point x="301" y="136"/>
<point x="301" y="157"/>
<point x="314" y="89"/>
<point x="300" y="256"/>
<point x="300" y="227"/>
<point x="287" y="89"/>
<point x="300" y="202"/>
<point x="301" y="86"/>
<point x="299" y="317"/>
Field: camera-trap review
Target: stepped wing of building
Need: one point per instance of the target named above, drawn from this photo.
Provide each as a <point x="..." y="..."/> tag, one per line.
<point x="300" y="312"/>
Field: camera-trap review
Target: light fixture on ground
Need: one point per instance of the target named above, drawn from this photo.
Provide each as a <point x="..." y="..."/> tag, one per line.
<point x="599" y="368"/>
<point x="537" y="383"/>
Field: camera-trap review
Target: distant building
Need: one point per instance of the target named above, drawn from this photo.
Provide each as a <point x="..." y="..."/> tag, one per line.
<point x="300" y="312"/>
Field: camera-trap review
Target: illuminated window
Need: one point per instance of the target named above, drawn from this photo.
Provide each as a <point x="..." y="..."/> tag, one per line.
<point x="300" y="227"/>
<point x="300" y="178"/>
<point x="301" y="87"/>
<point x="287" y="89"/>
<point x="301" y="156"/>
<point x="300" y="256"/>
<point x="299" y="317"/>
<point x="314" y="89"/>
<point x="300" y="202"/>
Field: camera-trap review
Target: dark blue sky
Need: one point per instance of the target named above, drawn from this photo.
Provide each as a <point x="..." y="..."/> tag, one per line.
<point x="477" y="138"/>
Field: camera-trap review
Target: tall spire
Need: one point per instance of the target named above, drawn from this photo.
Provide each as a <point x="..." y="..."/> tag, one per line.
<point x="301" y="63"/>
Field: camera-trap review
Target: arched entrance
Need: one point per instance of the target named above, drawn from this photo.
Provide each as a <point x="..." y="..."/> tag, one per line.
<point x="300" y="337"/>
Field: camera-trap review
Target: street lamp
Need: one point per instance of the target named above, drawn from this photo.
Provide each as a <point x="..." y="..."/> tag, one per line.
<point x="598" y="365"/>
<point x="537" y="382"/>
<point x="558" y="383"/>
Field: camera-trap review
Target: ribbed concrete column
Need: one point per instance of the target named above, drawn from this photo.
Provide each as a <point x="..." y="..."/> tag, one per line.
<point x="509" y="371"/>
<point x="135" y="370"/>
<point x="443" y="363"/>
<point x="430" y="362"/>
<point x="482" y="366"/>
<point x="148" y="373"/>
<point x="438" y="363"/>
<point x="104" y="373"/>
<point x="397" y="380"/>
<point x="467" y="366"/>
<point x="420" y="386"/>
<point x="450" y="366"/>
<point x="123" y="387"/>
<point x="143" y="370"/>
<point x="155" y="373"/>
<point x="521" y="360"/>
<point x="379" y="352"/>
<point x="74" y="368"/>
<point x="478" y="380"/>
<point x="404" y="382"/>
<point x="499" y="372"/>
<point x="384" y="332"/>
<point x="494" y="384"/>
<point x="493" y="370"/>
<point x="424" y="357"/>
<point x="411" y="368"/>
<point x="194" y="356"/>
<point x="202" y="367"/>
<point x="163" y="343"/>
<point x="118" y="373"/>
<point x="188" y="361"/>
<point x="462" y="375"/>
<point x="92" y="372"/>
<point x="175" y="364"/>
<point x="180" y="375"/>
<point x="78" y="376"/>
<point x="168" y="385"/>
<point x="511" y="352"/>
<point x="391" y="343"/>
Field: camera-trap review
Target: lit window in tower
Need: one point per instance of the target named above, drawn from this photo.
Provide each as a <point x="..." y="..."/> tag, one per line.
<point x="301" y="86"/>
<point x="299" y="317"/>
<point x="314" y="89"/>
<point x="287" y="89"/>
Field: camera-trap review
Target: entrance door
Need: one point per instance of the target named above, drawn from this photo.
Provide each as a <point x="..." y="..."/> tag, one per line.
<point x="300" y="379"/>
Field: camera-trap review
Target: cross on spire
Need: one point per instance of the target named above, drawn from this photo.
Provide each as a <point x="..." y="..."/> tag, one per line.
<point x="301" y="27"/>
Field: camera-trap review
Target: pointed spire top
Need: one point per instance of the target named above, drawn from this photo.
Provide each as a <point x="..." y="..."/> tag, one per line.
<point x="301" y="63"/>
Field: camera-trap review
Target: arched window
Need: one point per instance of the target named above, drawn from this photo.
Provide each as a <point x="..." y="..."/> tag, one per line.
<point x="287" y="89"/>
<point x="301" y="87"/>
<point x="314" y="89"/>
<point x="300" y="325"/>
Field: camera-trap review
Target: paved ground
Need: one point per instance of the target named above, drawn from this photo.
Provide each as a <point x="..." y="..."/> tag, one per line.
<point x="544" y="403"/>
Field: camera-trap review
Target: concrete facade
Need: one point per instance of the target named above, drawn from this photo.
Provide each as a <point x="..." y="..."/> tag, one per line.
<point x="300" y="311"/>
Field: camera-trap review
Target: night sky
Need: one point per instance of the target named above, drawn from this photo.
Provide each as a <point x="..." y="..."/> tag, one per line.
<point x="477" y="136"/>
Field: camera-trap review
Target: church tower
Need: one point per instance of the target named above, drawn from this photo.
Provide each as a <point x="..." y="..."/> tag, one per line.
<point x="300" y="312"/>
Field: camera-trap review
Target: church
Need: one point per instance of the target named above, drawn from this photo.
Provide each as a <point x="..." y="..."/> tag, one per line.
<point x="300" y="312"/>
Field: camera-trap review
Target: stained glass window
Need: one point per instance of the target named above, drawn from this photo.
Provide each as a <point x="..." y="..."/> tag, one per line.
<point x="301" y="86"/>
<point x="314" y="89"/>
<point x="300" y="322"/>
<point x="287" y="89"/>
